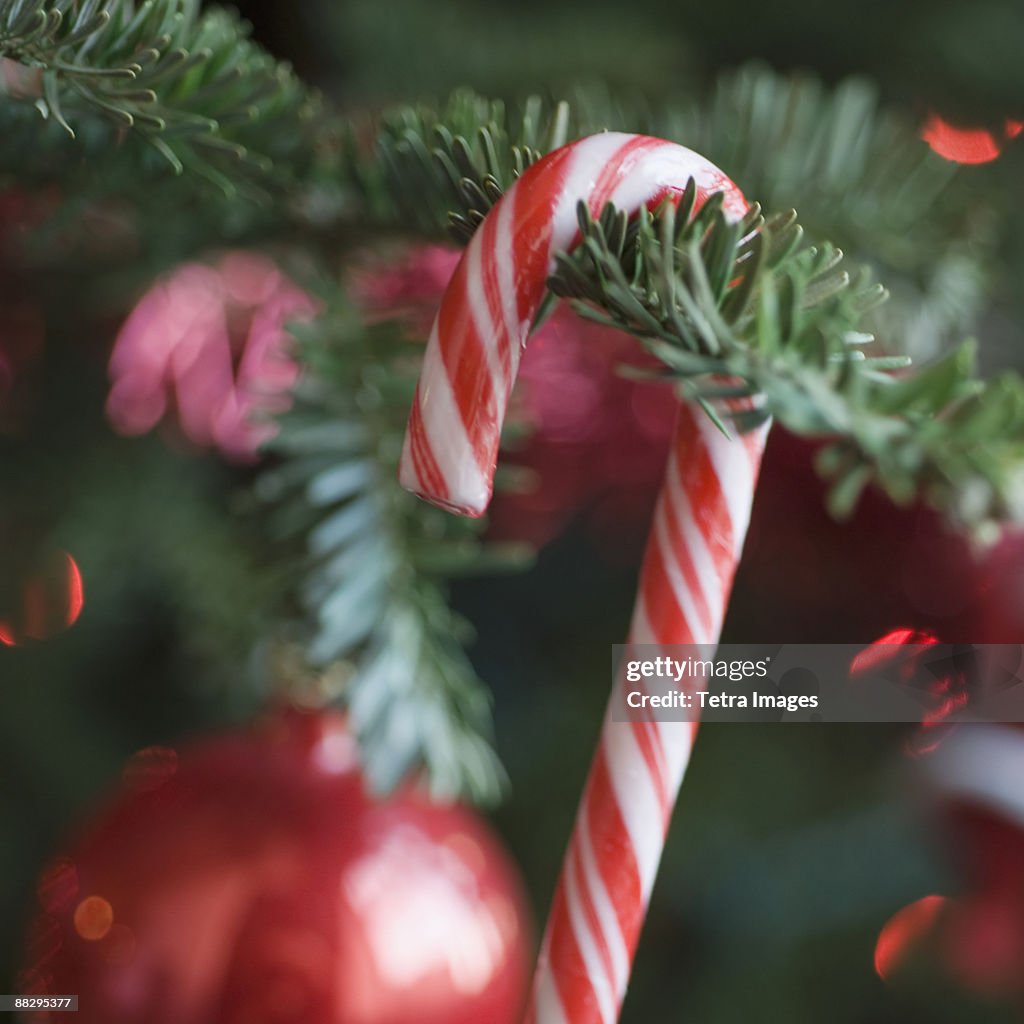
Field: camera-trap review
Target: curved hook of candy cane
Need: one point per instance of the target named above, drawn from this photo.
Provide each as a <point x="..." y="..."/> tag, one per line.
<point x="492" y="300"/>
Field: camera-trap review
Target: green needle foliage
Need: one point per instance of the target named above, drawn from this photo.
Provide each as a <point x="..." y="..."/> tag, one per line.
<point x="373" y="561"/>
<point x="190" y="83"/>
<point x="439" y="170"/>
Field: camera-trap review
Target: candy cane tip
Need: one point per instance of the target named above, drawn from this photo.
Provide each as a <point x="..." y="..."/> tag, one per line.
<point x="467" y="511"/>
<point x="472" y="507"/>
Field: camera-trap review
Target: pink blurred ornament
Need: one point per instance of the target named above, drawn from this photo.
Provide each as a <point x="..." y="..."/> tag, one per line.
<point x="254" y="880"/>
<point x="598" y="441"/>
<point x="210" y="342"/>
<point x="405" y="285"/>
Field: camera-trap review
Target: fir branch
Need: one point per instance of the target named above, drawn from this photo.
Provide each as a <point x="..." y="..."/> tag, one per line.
<point x="441" y="169"/>
<point x="860" y="170"/>
<point x="375" y="560"/>
<point x="859" y="174"/>
<point x="190" y="83"/>
<point x="748" y="311"/>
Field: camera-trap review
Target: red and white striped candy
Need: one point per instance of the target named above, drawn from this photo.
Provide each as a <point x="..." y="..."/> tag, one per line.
<point x="488" y="309"/>
<point x="701" y="519"/>
<point x="694" y="547"/>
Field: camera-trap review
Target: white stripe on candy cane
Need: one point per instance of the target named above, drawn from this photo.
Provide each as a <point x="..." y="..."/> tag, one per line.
<point x="603" y="908"/>
<point x="546" y="1004"/>
<point x="603" y="987"/>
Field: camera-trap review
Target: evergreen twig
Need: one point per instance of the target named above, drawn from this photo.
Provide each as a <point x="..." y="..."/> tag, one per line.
<point x="189" y="82"/>
<point x="859" y="174"/>
<point x="374" y="561"/>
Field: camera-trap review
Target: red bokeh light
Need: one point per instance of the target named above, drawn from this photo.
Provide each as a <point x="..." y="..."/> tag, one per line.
<point x="967" y="145"/>
<point x="900" y="654"/>
<point x="94" y="917"/>
<point x="902" y="933"/>
<point x="49" y="600"/>
<point x="878" y="654"/>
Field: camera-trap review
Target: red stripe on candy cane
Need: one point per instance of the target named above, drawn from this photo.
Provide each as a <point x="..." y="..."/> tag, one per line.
<point x="466" y="362"/>
<point x="619" y="168"/>
<point x="423" y="461"/>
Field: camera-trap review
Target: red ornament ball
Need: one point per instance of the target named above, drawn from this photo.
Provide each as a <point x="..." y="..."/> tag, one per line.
<point x="254" y="881"/>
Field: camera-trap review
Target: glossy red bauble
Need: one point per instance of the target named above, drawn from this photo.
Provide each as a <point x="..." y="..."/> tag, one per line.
<point x="254" y="881"/>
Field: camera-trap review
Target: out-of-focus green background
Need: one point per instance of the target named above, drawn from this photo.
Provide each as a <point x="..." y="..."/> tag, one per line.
<point x="792" y="845"/>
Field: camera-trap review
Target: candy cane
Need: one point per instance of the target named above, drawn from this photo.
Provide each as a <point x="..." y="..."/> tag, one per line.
<point x="451" y="446"/>
<point x="699" y="526"/>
